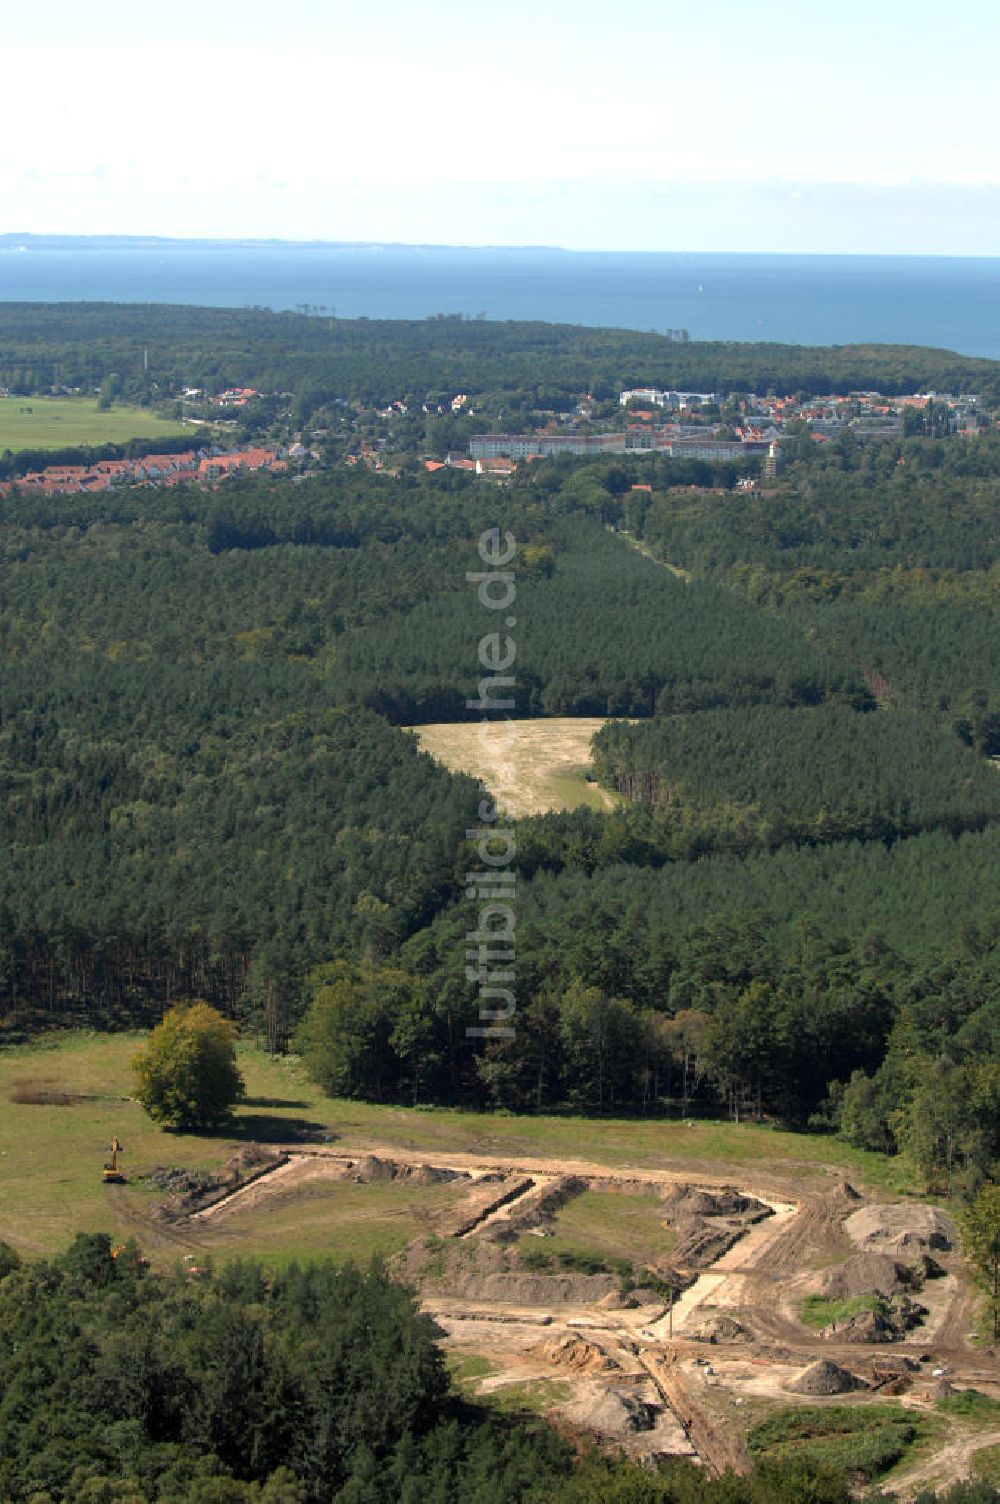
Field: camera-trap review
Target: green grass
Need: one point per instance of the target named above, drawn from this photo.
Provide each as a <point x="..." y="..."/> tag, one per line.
<point x="573" y="790"/>
<point x="973" y="1406"/>
<point x="817" y="1311"/>
<point x="532" y="1395"/>
<point x="467" y="1370"/>
<point x="861" y="1441"/>
<point x="602" y="1226"/>
<point x="330" y="1219"/>
<point x="65" y="422"/>
<point x="986" y="1464"/>
<point x="51" y="1157"/>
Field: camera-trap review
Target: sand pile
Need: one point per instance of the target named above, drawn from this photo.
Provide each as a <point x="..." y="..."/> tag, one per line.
<point x="866" y="1326"/>
<point x="616" y="1301"/>
<point x="721" y="1329"/>
<point x="864" y="1274"/>
<point x="686" y="1201"/>
<point x="824" y="1377"/>
<point x="901" y="1228"/>
<point x="371" y="1170"/>
<point x="578" y="1356"/>
<point x="610" y="1413"/>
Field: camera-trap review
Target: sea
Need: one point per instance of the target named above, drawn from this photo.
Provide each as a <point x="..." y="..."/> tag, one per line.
<point x="949" y="302"/>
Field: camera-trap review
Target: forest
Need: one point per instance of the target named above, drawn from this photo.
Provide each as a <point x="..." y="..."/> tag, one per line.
<point x="764" y="776"/>
<point x="209" y="788"/>
<point x="321" y="358"/>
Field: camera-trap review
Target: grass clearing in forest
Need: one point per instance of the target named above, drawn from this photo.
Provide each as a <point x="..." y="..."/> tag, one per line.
<point x="52" y="1153"/>
<point x="530" y="767"/>
<point x="67" y="422"/>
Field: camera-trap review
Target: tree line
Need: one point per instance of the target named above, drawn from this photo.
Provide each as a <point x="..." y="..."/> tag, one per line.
<point x="764" y="776"/>
<point x="319" y="359"/>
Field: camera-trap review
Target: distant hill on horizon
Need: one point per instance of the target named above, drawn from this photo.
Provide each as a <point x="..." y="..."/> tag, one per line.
<point x="13" y="241"/>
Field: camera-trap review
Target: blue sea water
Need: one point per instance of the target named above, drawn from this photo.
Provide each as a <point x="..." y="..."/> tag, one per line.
<point x="811" y="300"/>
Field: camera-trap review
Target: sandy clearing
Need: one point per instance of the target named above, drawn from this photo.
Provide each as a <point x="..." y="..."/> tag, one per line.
<point x="530" y="767"/>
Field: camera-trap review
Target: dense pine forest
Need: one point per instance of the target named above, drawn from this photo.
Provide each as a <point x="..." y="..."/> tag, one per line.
<point x="209" y="787"/>
<point x="320" y="357"/>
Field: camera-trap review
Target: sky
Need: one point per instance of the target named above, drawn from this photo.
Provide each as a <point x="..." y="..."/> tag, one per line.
<point x="660" y="125"/>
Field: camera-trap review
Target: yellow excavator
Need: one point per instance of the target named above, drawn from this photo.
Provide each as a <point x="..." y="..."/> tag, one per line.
<point x="112" y="1175"/>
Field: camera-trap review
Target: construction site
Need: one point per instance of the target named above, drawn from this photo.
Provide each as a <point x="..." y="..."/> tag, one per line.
<point x="742" y="1298"/>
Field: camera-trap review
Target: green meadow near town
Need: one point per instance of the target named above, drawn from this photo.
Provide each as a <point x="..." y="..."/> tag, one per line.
<point x="65" y="422"/>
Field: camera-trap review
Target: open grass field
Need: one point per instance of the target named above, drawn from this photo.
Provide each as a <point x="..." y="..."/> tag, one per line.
<point x="530" y="767"/>
<point x="334" y="1219"/>
<point x="51" y="1157"/>
<point x="63" y="422"/>
<point x="606" y="1225"/>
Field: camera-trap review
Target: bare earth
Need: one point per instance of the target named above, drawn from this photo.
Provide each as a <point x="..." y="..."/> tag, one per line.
<point x="625" y="1369"/>
<point x="530" y="767"/>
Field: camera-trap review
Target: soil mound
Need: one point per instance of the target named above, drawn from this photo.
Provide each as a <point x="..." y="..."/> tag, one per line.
<point x="707" y="1223"/>
<point x="684" y="1201"/>
<point x="178" y="1180"/>
<point x="701" y="1243"/>
<point x="371" y="1169"/>
<point x="645" y="1295"/>
<point x="901" y="1228"/>
<point x="575" y="1354"/>
<point x="535" y="1289"/>
<point x="865" y="1274"/>
<point x="191" y="1191"/>
<point x="536" y="1211"/>
<point x="866" y="1326"/>
<point x="615" y="1301"/>
<point x="897" y="1363"/>
<point x="428" y="1175"/>
<point x="824" y="1377"/>
<point x="555" y="1196"/>
<point x="610" y="1414"/>
<point x="722" y="1329"/>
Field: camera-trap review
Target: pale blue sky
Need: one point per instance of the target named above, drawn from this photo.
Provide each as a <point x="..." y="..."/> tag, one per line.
<point x="667" y="125"/>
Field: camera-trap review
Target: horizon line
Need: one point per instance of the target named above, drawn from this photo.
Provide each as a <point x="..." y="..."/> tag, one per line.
<point x="34" y="239"/>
